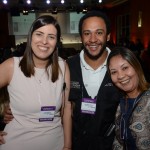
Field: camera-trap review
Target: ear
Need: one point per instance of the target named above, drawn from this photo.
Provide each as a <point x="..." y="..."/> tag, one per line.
<point x="108" y="37"/>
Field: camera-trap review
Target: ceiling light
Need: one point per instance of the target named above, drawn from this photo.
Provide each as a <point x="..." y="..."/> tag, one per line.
<point x="100" y="1"/>
<point x="48" y="1"/>
<point x="5" y="1"/>
<point x="62" y="1"/>
<point x="28" y="2"/>
<point x="81" y="1"/>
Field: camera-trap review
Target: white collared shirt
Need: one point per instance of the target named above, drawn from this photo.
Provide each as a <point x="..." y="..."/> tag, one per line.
<point x="92" y="79"/>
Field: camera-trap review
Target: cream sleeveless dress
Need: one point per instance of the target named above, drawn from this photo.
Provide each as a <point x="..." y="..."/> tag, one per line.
<point x="27" y="96"/>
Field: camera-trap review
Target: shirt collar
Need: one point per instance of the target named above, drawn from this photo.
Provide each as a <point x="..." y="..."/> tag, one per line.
<point x="84" y="64"/>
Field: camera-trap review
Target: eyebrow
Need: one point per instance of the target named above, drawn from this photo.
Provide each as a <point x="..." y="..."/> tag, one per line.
<point x="124" y="64"/>
<point x="48" y="34"/>
<point x="93" y="31"/>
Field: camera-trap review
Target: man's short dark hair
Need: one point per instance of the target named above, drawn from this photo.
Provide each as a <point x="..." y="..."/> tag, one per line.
<point x="95" y="13"/>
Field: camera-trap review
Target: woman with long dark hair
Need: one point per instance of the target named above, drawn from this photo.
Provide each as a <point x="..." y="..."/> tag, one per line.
<point x="38" y="97"/>
<point x="133" y="113"/>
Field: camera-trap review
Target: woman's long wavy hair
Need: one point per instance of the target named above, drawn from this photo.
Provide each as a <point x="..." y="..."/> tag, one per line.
<point x="27" y="64"/>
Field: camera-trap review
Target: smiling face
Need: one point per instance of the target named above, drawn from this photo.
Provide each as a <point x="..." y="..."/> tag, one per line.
<point x="43" y="42"/>
<point x="94" y="36"/>
<point x="124" y="76"/>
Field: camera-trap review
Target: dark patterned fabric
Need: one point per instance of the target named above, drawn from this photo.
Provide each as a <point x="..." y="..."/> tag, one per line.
<point x="139" y="124"/>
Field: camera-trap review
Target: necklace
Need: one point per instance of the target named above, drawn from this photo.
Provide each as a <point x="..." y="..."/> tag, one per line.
<point x="39" y="74"/>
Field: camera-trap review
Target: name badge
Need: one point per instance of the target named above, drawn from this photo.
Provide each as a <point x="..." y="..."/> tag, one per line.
<point x="88" y="106"/>
<point x="47" y="113"/>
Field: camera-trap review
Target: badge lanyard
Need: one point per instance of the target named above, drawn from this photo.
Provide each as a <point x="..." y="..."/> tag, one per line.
<point x="46" y="112"/>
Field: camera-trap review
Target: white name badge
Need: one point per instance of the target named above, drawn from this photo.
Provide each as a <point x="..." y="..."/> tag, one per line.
<point x="47" y="113"/>
<point x="88" y="106"/>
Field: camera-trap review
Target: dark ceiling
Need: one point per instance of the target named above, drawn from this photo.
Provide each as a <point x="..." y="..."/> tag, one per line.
<point x="69" y="5"/>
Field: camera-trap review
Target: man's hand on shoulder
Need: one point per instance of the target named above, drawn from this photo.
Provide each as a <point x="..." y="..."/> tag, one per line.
<point x="2" y="141"/>
<point x="7" y="115"/>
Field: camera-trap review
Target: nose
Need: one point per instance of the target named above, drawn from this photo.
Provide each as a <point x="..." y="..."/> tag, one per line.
<point x="44" y="39"/>
<point x="120" y="75"/>
<point x="93" y="37"/>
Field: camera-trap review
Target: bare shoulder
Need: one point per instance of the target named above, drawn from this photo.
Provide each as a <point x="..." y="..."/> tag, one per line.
<point x="7" y="64"/>
<point x="6" y="71"/>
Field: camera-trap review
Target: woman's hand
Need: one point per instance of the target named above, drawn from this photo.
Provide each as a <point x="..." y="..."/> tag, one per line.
<point x="2" y="141"/>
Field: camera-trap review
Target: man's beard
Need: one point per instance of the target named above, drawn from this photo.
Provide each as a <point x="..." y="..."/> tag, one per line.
<point x="95" y="57"/>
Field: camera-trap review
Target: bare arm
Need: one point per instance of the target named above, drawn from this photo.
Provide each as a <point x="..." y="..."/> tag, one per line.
<point x="6" y="71"/>
<point x="67" y="120"/>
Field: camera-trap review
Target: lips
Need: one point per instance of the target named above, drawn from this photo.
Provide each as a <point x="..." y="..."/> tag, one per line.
<point x="124" y="81"/>
<point x="93" y="47"/>
<point x="43" y="48"/>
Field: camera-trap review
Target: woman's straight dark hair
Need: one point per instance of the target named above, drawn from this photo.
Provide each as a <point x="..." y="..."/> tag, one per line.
<point x="27" y="64"/>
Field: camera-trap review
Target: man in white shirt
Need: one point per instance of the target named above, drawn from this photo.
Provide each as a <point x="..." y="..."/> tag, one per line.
<point x="93" y="96"/>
